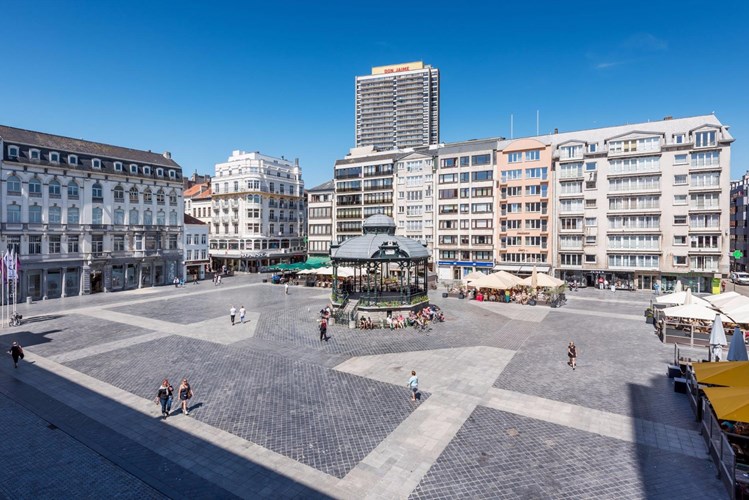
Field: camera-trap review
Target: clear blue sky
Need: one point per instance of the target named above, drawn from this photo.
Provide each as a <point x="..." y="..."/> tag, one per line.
<point x="203" y="79"/>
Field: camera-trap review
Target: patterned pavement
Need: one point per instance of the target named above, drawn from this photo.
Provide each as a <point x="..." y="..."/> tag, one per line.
<point x="335" y="418"/>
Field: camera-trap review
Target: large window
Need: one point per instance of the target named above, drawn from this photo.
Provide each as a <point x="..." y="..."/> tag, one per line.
<point x="483" y="175"/>
<point x="119" y="216"/>
<point x="536" y="173"/>
<point x="706" y="159"/>
<point x="35" y="214"/>
<point x="634" y="242"/>
<point x="148" y="218"/>
<point x="634" y="261"/>
<point x="73" y="244"/>
<point x="72" y="190"/>
<point x="134" y="219"/>
<point x="119" y="194"/>
<point x="97" y="216"/>
<point x="634" y="165"/>
<point x="74" y="216"/>
<point x="35" y="187"/>
<point x="133" y="195"/>
<point x="567" y="170"/>
<point x="512" y="175"/>
<point x="55" y="215"/>
<point x="484" y="159"/>
<point x="14" y="185"/>
<point x="55" y="246"/>
<point x="704" y="139"/>
<point x="35" y="245"/>
<point x="514" y="157"/>
<point x="534" y="155"/>
<point x="97" y="193"/>
<point x="54" y="189"/>
<point x="14" y="214"/>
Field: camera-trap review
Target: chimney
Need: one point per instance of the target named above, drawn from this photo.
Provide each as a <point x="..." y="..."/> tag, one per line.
<point x="669" y="117"/>
<point x="167" y="155"/>
<point x="556" y="131"/>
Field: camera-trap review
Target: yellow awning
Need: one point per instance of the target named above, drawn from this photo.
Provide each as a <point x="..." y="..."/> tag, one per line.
<point x="728" y="373"/>
<point x="729" y="403"/>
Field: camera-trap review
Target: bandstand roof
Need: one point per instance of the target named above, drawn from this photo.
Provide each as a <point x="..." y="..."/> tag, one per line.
<point x="379" y="242"/>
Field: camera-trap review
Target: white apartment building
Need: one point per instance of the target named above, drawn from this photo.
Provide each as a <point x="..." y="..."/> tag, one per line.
<point x="198" y="202"/>
<point x="88" y="217"/>
<point x="196" y="260"/>
<point x="258" y="213"/>
<point x="320" y="206"/>
<point x="398" y="106"/>
<point x="465" y="208"/>
<point x="414" y="197"/>
<point x="644" y="203"/>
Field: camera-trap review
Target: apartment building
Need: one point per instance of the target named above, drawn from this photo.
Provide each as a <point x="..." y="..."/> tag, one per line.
<point x="414" y="196"/>
<point x="196" y="261"/>
<point x="364" y="182"/>
<point x="398" y="106"/>
<point x="739" y="223"/>
<point x="644" y="203"/>
<point x="465" y="208"/>
<point x="320" y="207"/>
<point x="198" y="202"/>
<point x="87" y="217"/>
<point x="525" y="222"/>
<point x="258" y="213"/>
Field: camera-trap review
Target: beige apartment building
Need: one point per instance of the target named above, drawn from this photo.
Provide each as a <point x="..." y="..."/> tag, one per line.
<point x="320" y="206"/>
<point x="414" y="196"/>
<point x="525" y="234"/>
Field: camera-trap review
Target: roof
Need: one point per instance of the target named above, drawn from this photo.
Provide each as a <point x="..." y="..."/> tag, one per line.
<point x="189" y="219"/>
<point x="370" y="158"/>
<point x="198" y="191"/>
<point x="378" y="221"/>
<point x="68" y="144"/>
<point x="379" y="242"/>
<point x="325" y="186"/>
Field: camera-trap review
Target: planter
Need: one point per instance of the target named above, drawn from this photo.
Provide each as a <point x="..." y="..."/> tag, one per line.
<point x="265" y="280"/>
<point x="461" y="295"/>
<point x="532" y="302"/>
<point x="444" y="295"/>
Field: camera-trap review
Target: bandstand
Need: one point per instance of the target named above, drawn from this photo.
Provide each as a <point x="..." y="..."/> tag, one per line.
<point x="379" y="271"/>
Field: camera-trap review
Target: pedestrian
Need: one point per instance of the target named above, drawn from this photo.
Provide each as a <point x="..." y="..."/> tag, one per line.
<point x="232" y="314"/>
<point x="195" y="279"/>
<point x="657" y="288"/>
<point x="218" y="279"/>
<point x="413" y="384"/>
<point x="242" y="312"/>
<point x="286" y="288"/>
<point x="176" y="282"/>
<point x="185" y="394"/>
<point x="164" y="396"/>
<point x="572" y="354"/>
<point x="324" y="330"/>
<point x="16" y="351"/>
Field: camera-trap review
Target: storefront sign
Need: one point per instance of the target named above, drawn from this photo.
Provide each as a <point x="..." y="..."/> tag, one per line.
<point x="462" y="263"/>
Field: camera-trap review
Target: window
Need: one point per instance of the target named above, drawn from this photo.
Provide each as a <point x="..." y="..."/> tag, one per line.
<point x="679" y="139"/>
<point x="146" y="170"/>
<point x="680" y="160"/>
<point x="54" y="244"/>
<point x="570" y="259"/>
<point x="74" y="216"/>
<point x="73" y="244"/>
<point x="54" y="215"/>
<point x="590" y="240"/>
<point x="704" y="221"/>
<point x="173" y="199"/>
<point x="680" y="260"/>
<point x="680" y="220"/>
<point x="160" y="173"/>
<point x="118" y="243"/>
<point x="481" y="208"/>
<point x="133" y="194"/>
<point x="96" y="163"/>
<point x="592" y="148"/>
<point x="119" y="194"/>
<point x="54" y="189"/>
<point x="133" y="168"/>
<point x="160" y="197"/>
<point x="680" y="180"/>
<point x="448" y="178"/>
<point x="590" y="203"/>
<point x="534" y="155"/>
<point x="514" y="157"/>
<point x="570" y="170"/>
<point x="483" y="175"/>
<point x="680" y="199"/>
<point x="704" y="139"/>
<point x="96" y="193"/>
<point x="590" y="166"/>
<point x="148" y="218"/>
<point x="35" y="245"/>
<point x="97" y="215"/>
<point x="14" y="185"/>
<point x="464" y="161"/>
<point x="35" y="187"/>
<point x="13" y="152"/>
<point x="536" y="173"/>
<point x="705" y="242"/>
<point x="72" y="160"/>
<point x="569" y="152"/>
<point x="97" y="244"/>
<point x="72" y="190"/>
<point x="590" y="222"/>
<point x="172" y="218"/>
<point x="118" y="166"/>
<point x="481" y="159"/>
<point x="448" y="162"/>
<point x="512" y="175"/>
<point x="706" y="159"/>
<point x="465" y="176"/>
<point x="147" y="197"/>
<point x="634" y="261"/>
<point x="172" y="174"/>
<point x="35" y="214"/>
<point x="134" y="219"/>
<point x="680" y="240"/>
<point x="119" y="216"/>
<point x="634" y="165"/>
<point x="34" y="154"/>
<point x="160" y="218"/>
<point x="14" y="214"/>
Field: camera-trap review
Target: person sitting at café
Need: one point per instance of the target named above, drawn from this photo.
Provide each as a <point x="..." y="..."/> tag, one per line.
<point x="411" y="318"/>
<point x="363" y="323"/>
<point x="370" y="325"/>
<point x="439" y="316"/>
<point x="480" y="297"/>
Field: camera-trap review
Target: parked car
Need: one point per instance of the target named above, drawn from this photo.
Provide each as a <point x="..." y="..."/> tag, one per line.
<point x="740" y="278"/>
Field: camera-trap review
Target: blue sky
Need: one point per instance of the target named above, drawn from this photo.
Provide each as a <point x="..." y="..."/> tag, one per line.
<point x="203" y="79"/>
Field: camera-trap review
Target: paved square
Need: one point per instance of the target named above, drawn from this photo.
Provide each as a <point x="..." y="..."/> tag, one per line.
<point x="277" y="413"/>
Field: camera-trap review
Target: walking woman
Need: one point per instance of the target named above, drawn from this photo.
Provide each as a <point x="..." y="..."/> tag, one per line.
<point x="185" y="394"/>
<point x="164" y="396"/>
<point x="16" y="351"/>
<point x="572" y="354"/>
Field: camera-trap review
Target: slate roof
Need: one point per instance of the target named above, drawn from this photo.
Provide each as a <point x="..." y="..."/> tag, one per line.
<point x="189" y="219"/>
<point x="64" y="144"/>
<point x="325" y="186"/>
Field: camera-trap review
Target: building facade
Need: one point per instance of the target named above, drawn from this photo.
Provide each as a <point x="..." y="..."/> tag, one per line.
<point x="198" y="202"/>
<point x="414" y="197"/>
<point x="88" y="217"/>
<point x="196" y="260"/>
<point x="739" y="224"/>
<point x="398" y="106"/>
<point x="320" y="207"/>
<point x="258" y="213"/>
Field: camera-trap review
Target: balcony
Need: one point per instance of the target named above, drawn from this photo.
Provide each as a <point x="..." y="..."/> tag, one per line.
<point x="704" y="207"/>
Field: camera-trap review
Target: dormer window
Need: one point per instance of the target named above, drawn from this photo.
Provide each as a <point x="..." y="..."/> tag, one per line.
<point x="133" y="168"/>
<point x="118" y="166"/>
<point x="172" y="174"/>
<point x="54" y="157"/>
<point x="704" y="139"/>
<point x="160" y="172"/>
<point x="146" y="170"/>
<point x="34" y="154"/>
<point x="592" y="148"/>
<point x="72" y="160"/>
<point x="96" y="163"/>
<point x="13" y="152"/>
<point x="680" y="139"/>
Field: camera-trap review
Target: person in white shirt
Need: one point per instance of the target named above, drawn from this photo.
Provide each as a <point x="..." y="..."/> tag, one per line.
<point x="232" y="314"/>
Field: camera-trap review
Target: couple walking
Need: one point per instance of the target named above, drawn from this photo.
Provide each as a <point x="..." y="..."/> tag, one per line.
<point x="164" y="397"/>
<point x="233" y="314"/>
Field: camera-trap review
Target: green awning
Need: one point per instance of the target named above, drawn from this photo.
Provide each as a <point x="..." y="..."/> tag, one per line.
<point x="315" y="262"/>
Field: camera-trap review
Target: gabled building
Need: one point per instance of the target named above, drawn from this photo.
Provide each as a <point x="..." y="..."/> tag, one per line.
<point x="88" y="217"/>
<point x="197" y="262"/>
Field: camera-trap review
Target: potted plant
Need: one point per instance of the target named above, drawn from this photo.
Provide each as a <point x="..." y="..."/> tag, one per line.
<point x="447" y="289"/>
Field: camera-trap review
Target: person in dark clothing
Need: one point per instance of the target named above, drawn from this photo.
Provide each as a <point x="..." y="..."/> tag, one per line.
<point x="324" y="329"/>
<point x="572" y="354"/>
<point x="16" y="351"/>
<point x="164" y="396"/>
